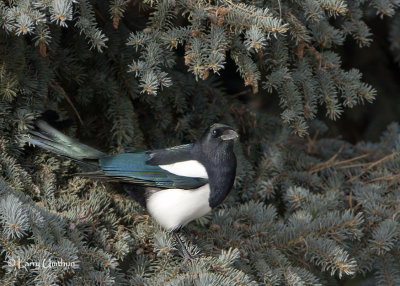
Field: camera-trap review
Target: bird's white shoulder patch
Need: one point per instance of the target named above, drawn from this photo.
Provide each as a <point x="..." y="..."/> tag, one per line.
<point x="173" y="208"/>
<point x="190" y="168"/>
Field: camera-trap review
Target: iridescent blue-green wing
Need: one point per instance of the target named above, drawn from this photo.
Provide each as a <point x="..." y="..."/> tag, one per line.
<point x="133" y="168"/>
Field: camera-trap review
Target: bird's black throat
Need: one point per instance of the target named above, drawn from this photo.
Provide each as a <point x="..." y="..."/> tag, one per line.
<point x="220" y="163"/>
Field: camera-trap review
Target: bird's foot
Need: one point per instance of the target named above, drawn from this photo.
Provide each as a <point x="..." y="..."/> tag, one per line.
<point x="186" y="254"/>
<point x="189" y="258"/>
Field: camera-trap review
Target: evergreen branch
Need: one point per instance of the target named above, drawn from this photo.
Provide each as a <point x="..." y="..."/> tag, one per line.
<point x="322" y="229"/>
<point x="374" y="164"/>
<point x="54" y="253"/>
<point x="329" y="163"/>
<point x="392" y="178"/>
<point x="107" y="263"/>
<point x="256" y="16"/>
<point x="335" y="7"/>
<point x="10" y="250"/>
<point x="306" y="207"/>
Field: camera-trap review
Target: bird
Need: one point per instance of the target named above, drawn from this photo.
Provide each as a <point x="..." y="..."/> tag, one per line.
<point x="175" y="185"/>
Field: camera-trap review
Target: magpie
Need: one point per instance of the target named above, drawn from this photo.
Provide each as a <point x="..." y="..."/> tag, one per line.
<point x="176" y="185"/>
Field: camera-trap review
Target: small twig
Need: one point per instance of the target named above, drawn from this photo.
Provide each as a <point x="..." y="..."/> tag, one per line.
<point x="243" y="92"/>
<point x="280" y="10"/>
<point x="384" y="178"/>
<point x="352" y="159"/>
<point x="351" y="199"/>
<point x="355" y="165"/>
<point x="344" y="162"/>
<point x="326" y="164"/>
<point x="373" y="164"/>
<point x="56" y="85"/>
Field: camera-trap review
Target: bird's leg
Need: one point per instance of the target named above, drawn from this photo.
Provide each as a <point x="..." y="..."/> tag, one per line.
<point x="186" y="252"/>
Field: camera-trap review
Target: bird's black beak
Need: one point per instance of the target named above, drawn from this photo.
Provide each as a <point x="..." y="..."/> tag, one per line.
<point x="229" y="134"/>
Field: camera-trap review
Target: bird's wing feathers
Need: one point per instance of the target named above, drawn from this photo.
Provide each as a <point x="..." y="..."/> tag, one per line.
<point x="178" y="160"/>
<point x="140" y="169"/>
<point x="170" y="155"/>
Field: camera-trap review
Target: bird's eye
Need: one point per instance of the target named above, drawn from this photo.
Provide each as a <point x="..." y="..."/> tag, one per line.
<point x="214" y="133"/>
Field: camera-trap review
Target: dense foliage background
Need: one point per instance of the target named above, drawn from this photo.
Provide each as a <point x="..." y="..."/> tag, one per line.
<point x="316" y="198"/>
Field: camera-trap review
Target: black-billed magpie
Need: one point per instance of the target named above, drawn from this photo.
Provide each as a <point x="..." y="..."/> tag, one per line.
<point x="176" y="185"/>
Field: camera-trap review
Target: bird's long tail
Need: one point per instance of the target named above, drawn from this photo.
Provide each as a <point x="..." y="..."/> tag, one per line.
<point x="54" y="141"/>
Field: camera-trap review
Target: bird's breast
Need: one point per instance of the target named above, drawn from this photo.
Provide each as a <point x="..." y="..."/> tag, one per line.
<point x="174" y="208"/>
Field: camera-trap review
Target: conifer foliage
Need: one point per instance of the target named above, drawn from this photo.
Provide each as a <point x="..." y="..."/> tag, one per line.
<point x="304" y="210"/>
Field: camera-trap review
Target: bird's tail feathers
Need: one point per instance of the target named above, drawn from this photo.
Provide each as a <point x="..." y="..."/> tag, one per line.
<point x="54" y="141"/>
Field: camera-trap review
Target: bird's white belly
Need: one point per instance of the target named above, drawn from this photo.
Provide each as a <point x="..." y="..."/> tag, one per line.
<point x="173" y="208"/>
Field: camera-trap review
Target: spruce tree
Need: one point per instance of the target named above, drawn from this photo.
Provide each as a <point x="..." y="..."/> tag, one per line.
<point x="307" y="207"/>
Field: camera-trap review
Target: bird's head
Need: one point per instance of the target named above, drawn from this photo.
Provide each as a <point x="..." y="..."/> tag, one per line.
<point x="218" y="137"/>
